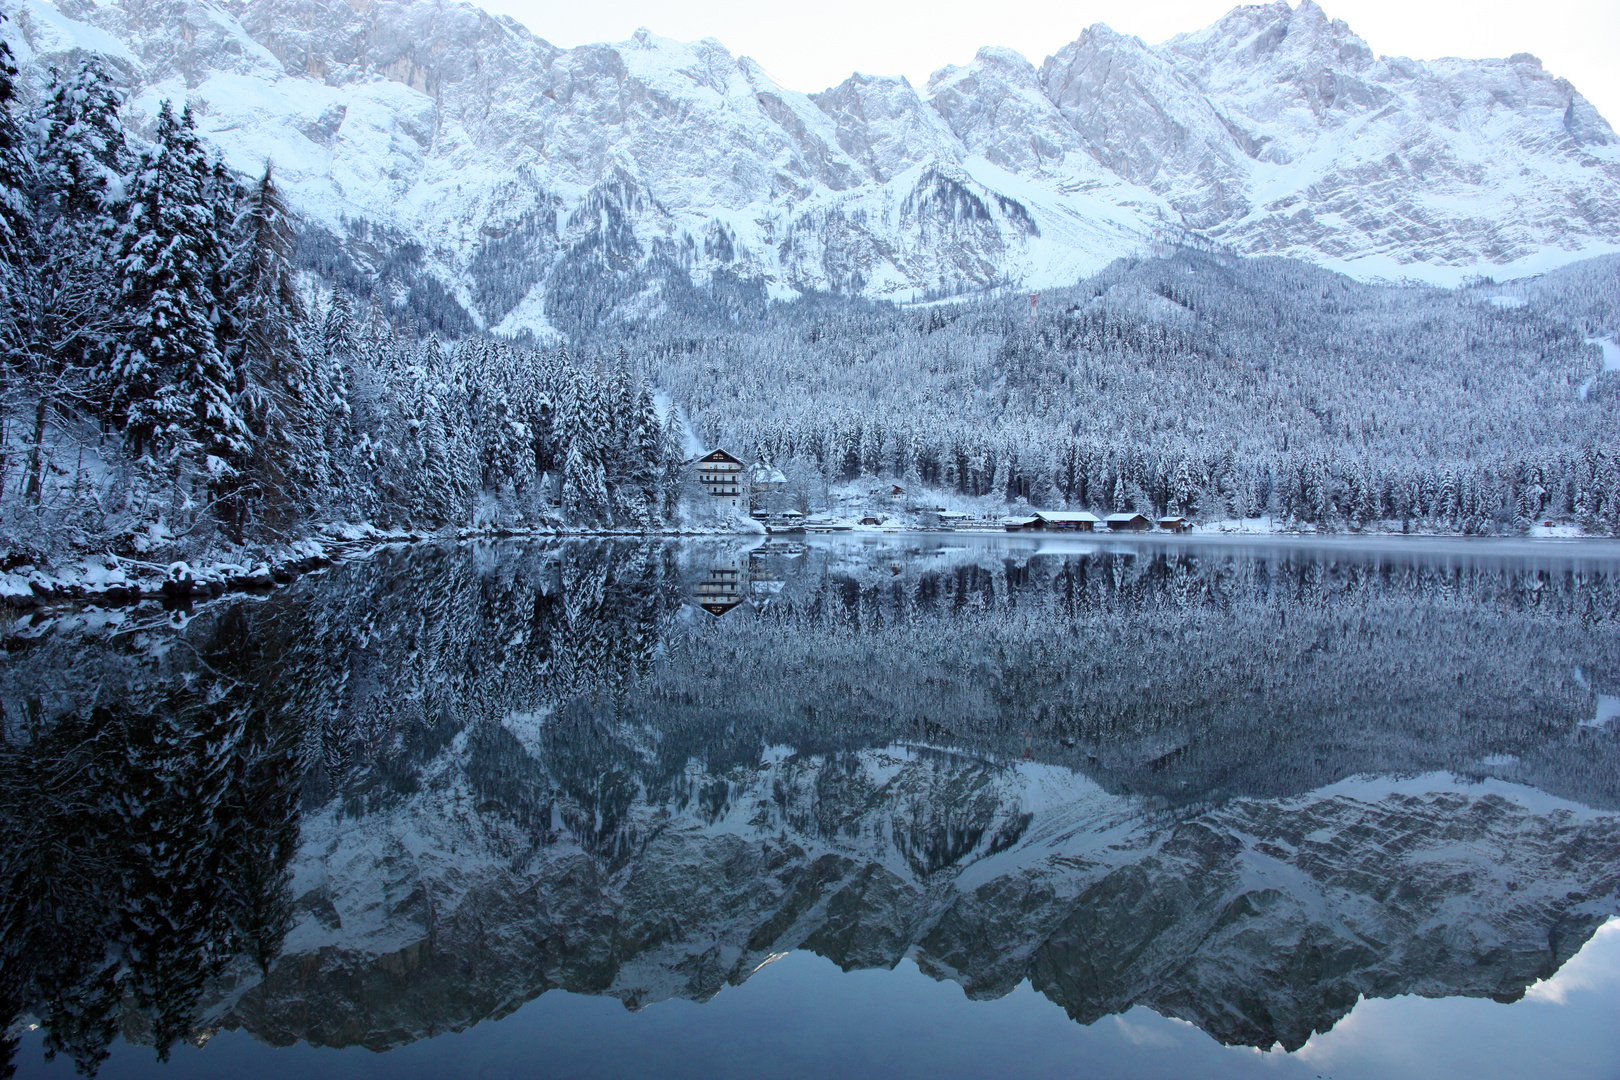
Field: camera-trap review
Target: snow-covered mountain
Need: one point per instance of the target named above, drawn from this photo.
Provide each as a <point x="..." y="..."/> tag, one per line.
<point x="509" y="169"/>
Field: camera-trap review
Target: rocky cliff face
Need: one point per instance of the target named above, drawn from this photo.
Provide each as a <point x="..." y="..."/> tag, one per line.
<point x="1351" y="153"/>
<point x="520" y="170"/>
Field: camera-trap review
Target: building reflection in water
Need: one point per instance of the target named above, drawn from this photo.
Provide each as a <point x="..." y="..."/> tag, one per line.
<point x="753" y="574"/>
<point x="723" y="585"/>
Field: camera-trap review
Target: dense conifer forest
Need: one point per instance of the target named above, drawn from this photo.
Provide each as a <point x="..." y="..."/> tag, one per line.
<point x="1194" y="383"/>
<point x="188" y="370"/>
<point x="170" y="386"/>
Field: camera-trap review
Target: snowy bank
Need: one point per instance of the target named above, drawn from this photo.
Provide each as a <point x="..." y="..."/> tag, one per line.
<point x="113" y="580"/>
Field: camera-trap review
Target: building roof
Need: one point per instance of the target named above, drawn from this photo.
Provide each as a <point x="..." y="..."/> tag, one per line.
<point x="1125" y="517"/>
<point x="1014" y="520"/>
<point x="1066" y="516"/>
<point x="716" y="456"/>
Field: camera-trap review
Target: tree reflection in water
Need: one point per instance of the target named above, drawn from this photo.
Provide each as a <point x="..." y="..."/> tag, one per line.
<point x="1242" y="788"/>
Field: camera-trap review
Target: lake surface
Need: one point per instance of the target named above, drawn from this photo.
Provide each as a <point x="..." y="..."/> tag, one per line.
<point x="886" y="806"/>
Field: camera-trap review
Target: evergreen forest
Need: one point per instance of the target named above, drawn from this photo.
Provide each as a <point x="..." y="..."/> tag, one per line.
<point x="189" y="371"/>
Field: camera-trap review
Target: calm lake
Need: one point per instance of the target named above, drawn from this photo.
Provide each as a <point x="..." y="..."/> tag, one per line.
<point x="896" y="806"/>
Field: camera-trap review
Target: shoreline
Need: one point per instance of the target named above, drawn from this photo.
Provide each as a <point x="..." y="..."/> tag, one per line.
<point x="1564" y="547"/>
<point x="116" y="581"/>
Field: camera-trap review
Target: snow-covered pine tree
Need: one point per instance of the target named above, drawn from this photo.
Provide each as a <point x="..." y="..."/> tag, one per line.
<point x="499" y="436"/>
<point x="172" y="387"/>
<point x="15" y="212"/>
<point x="1183" y="489"/>
<point x="365" y="371"/>
<point x="672" y="464"/>
<point x="15" y="250"/>
<point x="584" y="488"/>
<point x="338" y="331"/>
<point x="276" y="392"/>
<point x="334" y="362"/>
<point x="620" y="408"/>
<point x="593" y="425"/>
<point x="441" y="476"/>
<point x="461" y="444"/>
<point x="648" y="441"/>
<point x="1367" y="507"/>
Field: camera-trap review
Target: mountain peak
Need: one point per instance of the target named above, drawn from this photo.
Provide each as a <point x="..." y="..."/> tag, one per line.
<point x="1270" y="41"/>
<point x="1274" y="130"/>
<point x="885" y="125"/>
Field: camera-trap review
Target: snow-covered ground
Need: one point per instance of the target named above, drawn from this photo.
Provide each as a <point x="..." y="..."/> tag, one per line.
<point x="116" y="580"/>
<point x="923" y="509"/>
<point x="1611" y="359"/>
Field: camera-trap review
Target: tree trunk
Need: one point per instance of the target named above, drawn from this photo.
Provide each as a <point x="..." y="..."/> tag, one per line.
<point x="35" y="490"/>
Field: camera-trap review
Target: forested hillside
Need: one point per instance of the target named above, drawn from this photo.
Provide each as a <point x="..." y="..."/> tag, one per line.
<point x="1195" y="383"/>
<point x="190" y="370"/>
<point x="168" y="387"/>
<point x="1584" y="294"/>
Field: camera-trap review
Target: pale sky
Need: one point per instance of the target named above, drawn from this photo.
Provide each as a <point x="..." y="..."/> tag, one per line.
<point x="813" y="44"/>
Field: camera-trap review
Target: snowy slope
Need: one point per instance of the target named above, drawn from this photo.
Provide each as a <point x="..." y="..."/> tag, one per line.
<point x="525" y="172"/>
<point x="1366" y="158"/>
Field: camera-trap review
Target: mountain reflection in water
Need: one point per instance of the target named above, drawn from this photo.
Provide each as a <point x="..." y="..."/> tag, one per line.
<point x="1241" y="787"/>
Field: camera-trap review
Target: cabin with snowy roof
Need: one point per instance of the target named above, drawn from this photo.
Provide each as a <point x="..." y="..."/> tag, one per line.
<point x="766" y="478"/>
<point x="1052" y="521"/>
<point x="1066" y="520"/>
<point x="1127" y="522"/>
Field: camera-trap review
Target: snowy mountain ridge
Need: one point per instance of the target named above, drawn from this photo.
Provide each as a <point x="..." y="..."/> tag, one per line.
<point x="517" y="173"/>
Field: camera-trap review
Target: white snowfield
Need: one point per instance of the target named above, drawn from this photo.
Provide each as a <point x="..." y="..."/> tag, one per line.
<point x="509" y="160"/>
<point x="1611" y="360"/>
